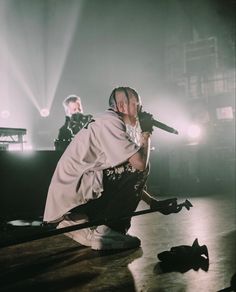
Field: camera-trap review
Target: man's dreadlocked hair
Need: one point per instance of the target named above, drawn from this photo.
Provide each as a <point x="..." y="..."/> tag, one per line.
<point x="126" y="90"/>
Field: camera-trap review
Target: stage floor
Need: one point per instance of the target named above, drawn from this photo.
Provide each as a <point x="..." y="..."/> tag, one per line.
<point x="60" y="264"/>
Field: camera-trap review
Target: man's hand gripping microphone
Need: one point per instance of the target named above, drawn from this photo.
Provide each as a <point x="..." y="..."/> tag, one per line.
<point x="145" y="121"/>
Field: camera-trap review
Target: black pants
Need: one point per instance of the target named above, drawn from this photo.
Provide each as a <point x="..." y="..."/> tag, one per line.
<point x="123" y="187"/>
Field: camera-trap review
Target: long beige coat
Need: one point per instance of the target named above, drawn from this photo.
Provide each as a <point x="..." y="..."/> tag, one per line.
<point x="77" y="178"/>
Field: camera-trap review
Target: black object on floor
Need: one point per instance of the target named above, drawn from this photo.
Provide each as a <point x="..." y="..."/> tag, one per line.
<point x="184" y="257"/>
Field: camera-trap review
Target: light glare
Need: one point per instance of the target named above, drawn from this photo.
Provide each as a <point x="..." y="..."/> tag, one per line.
<point x="5" y="114"/>
<point x="44" y="112"/>
<point x="194" y="131"/>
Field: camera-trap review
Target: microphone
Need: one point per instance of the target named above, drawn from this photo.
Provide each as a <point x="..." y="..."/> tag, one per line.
<point x="147" y="122"/>
<point x="164" y="127"/>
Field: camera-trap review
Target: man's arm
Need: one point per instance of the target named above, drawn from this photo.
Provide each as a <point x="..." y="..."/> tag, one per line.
<point x="141" y="158"/>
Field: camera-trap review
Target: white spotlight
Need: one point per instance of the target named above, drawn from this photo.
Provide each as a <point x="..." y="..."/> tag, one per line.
<point x="44" y="112"/>
<point x="194" y="131"/>
<point x="5" y="114"/>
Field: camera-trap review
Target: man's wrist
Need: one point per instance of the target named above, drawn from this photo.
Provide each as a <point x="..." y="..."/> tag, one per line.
<point x="146" y="134"/>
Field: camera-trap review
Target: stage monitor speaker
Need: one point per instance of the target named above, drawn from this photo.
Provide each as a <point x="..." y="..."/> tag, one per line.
<point x="24" y="181"/>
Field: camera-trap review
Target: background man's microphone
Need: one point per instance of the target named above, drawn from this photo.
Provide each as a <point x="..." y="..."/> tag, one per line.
<point x="147" y="122"/>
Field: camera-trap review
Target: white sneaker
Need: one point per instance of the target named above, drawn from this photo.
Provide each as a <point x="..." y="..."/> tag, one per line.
<point x="104" y="238"/>
<point x="82" y="236"/>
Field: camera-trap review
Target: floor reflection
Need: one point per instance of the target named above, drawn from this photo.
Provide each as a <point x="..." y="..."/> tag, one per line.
<point x="58" y="262"/>
<point x="212" y="221"/>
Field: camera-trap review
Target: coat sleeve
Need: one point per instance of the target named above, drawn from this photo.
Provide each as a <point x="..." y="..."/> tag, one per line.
<point x="116" y="144"/>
